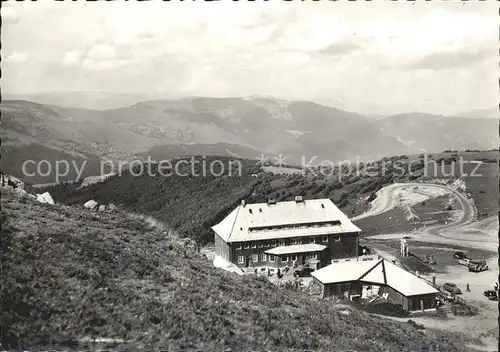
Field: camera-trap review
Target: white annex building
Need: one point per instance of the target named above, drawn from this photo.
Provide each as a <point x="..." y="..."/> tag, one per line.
<point x="376" y="277"/>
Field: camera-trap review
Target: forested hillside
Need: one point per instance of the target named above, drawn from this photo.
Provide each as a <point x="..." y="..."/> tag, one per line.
<point x="191" y="204"/>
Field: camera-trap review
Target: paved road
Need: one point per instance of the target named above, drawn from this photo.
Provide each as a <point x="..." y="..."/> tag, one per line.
<point x="388" y="200"/>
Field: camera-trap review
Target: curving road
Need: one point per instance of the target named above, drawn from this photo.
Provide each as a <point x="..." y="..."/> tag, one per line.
<point x="387" y="200"/>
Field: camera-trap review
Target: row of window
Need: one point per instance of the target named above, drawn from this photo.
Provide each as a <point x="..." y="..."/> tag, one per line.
<point x="264" y="257"/>
<point x="293" y="241"/>
<point x="255" y="258"/>
<point x="293" y="226"/>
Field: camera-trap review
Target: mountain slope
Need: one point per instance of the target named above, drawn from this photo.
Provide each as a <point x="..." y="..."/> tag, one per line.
<point x="29" y="163"/>
<point x="81" y="99"/>
<point x="173" y="151"/>
<point x="433" y="132"/>
<point x="85" y="276"/>
<point x="299" y="130"/>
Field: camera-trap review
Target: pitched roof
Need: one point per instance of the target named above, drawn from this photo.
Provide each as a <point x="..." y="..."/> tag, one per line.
<point x="297" y="248"/>
<point x="236" y="226"/>
<point x="343" y="271"/>
<point x="377" y="272"/>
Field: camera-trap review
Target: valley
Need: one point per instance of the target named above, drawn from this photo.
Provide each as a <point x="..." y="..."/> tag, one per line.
<point x="245" y="127"/>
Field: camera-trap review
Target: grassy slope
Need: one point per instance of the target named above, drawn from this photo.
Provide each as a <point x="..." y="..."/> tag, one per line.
<point x="68" y="274"/>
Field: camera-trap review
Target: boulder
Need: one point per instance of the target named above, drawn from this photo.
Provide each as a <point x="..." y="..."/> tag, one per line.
<point x="91" y="204"/>
<point x="45" y="198"/>
<point x="111" y="207"/>
<point x="102" y="207"/>
<point x="11" y="181"/>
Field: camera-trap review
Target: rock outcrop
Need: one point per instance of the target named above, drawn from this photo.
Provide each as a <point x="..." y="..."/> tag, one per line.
<point x="91" y="204"/>
<point x="45" y="198"/>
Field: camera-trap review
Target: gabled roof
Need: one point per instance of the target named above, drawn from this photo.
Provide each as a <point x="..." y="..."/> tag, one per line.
<point x="343" y="271"/>
<point x="236" y="226"/>
<point x="381" y="272"/>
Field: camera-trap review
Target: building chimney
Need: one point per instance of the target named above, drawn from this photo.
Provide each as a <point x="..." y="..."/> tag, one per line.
<point x="243" y="203"/>
<point x="271" y="201"/>
<point x="298" y="199"/>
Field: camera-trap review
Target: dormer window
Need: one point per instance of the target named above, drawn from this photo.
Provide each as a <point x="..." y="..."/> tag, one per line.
<point x="250" y="211"/>
<point x="323" y="206"/>
<point x="260" y="210"/>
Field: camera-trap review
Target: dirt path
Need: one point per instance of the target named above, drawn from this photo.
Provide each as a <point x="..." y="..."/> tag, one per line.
<point x="461" y="231"/>
<point x="387" y="199"/>
<point x="481" y="235"/>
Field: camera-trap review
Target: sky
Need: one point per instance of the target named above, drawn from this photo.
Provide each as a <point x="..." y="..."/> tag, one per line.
<point x="370" y="57"/>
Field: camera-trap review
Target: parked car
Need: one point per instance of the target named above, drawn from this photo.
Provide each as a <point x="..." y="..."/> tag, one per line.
<point x="464" y="262"/>
<point x="491" y="295"/>
<point x="303" y="271"/>
<point x="459" y="255"/>
<point x="477" y="266"/>
<point x="429" y="259"/>
<point x="452" y="288"/>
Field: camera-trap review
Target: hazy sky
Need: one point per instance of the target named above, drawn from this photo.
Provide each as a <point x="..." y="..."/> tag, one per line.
<point x="379" y="56"/>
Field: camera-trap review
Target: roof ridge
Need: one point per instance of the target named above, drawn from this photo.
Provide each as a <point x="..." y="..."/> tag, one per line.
<point x="372" y="268"/>
<point x="234" y="222"/>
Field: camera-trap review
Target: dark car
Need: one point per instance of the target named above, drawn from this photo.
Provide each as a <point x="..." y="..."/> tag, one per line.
<point x="452" y="288"/>
<point x="491" y="295"/>
<point x="459" y="255"/>
<point x="477" y="266"/>
<point x="303" y="272"/>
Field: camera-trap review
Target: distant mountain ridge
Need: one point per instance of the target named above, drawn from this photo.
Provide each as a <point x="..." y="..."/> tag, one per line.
<point x="301" y="131"/>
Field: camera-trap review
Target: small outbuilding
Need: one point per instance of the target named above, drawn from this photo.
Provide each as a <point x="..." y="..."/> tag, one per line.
<point x="366" y="278"/>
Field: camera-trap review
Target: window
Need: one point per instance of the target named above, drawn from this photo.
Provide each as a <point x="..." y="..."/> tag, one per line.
<point x="325" y="239"/>
<point x="250" y="211"/>
<point x="296" y="241"/>
<point x="267" y="245"/>
<point x="246" y="246"/>
<point x="282" y="243"/>
<point x="241" y="259"/>
<point x="294" y="257"/>
<point x="238" y="246"/>
<point x="315" y="256"/>
<point x="284" y="258"/>
<point x="260" y="210"/>
<point x="263" y="257"/>
<point x="336" y="238"/>
<point x="255" y="258"/>
<point x="271" y="258"/>
<point x="254" y="245"/>
<point x="261" y="245"/>
<point x="311" y="240"/>
<point x="273" y="243"/>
